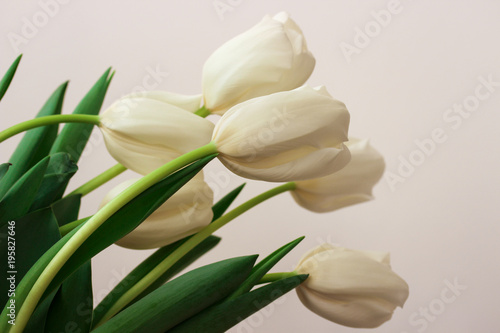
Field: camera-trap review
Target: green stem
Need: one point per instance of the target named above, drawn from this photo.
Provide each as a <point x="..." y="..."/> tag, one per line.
<point x="271" y="277"/>
<point x="182" y="250"/>
<point x="72" y="225"/>
<point x="202" y="112"/>
<point x="95" y="222"/>
<point x="48" y="120"/>
<point x="99" y="180"/>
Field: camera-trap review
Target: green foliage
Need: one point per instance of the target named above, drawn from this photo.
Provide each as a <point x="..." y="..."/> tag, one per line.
<point x="9" y="75"/>
<point x="222" y="316"/>
<point x="181" y="298"/>
<point x="223" y="204"/>
<point x="36" y="143"/>
<point x="19" y="198"/>
<point x="74" y="136"/>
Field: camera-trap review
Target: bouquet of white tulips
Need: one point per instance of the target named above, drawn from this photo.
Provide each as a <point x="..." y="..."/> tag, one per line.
<point x="272" y="128"/>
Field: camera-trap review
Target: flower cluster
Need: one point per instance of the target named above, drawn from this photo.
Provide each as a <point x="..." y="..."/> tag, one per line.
<point x="273" y="127"/>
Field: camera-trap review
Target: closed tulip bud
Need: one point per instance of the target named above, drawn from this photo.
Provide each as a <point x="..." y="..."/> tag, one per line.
<point x="286" y="136"/>
<point x="349" y="287"/>
<point x="188" y="211"/>
<point x="351" y="185"/>
<point x="144" y="131"/>
<point x="270" y="57"/>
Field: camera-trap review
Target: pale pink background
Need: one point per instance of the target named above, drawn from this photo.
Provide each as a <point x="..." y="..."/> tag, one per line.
<point x="441" y="224"/>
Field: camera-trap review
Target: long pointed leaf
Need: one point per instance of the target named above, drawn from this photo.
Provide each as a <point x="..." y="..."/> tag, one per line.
<point x="221" y="317"/>
<point x="59" y="171"/>
<point x="36" y="143"/>
<point x="72" y="303"/>
<point x="4" y="167"/>
<point x="146" y="266"/>
<point x="7" y="78"/>
<point x="223" y="204"/>
<point x="74" y="136"/>
<point x="264" y="266"/>
<point x="19" y="198"/>
<point x="181" y="298"/>
<point x="66" y="209"/>
<point x="118" y="225"/>
<point x="30" y="236"/>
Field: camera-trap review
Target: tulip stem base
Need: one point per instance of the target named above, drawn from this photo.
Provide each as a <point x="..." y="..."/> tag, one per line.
<point x="99" y="180"/>
<point x="48" y="120"/>
<point x="202" y="112"/>
<point x="58" y="261"/>
<point x="192" y="242"/>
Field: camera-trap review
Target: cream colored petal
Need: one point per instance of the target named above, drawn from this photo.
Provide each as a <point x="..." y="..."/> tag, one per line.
<point x="270" y="57"/>
<point x="189" y="103"/>
<point x="185" y="213"/>
<point x="349" y="311"/>
<point x="345" y="271"/>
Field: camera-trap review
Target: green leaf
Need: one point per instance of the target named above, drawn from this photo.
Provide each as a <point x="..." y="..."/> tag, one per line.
<point x="66" y="209"/>
<point x="264" y="266"/>
<point x="30" y="236"/>
<point x="74" y="136"/>
<point x="146" y="266"/>
<point x="181" y="298"/>
<point x="223" y="204"/>
<point x="4" y="167"/>
<point x="117" y="226"/>
<point x="59" y="171"/>
<point x="7" y="78"/>
<point x="36" y="143"/>
<point x="128" y="218"/>
<point x="71" y="308"/>
<point x="222" y="316"/>
<point x="18" y="199"/>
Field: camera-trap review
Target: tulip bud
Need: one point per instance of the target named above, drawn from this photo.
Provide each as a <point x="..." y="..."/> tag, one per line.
<point x="185" y="213"/>
<point x="270" y="57"/>
<point x="351" y="185"/>
<point x="145" y="131"/>
<point x="349" y="287"/>
<point x="286" y="136"/>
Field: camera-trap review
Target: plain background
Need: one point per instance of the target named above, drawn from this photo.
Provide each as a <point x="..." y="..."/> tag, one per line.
<point x="436" y="210"/>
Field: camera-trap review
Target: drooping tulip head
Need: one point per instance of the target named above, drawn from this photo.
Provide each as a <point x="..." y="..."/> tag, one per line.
<point x="350" y="185"/>
<point x="185" y="213"/>
<point x="270" y="57"/>
<point x="349" y="287"/>
<point x="145" y="131"/>
<point x="286" y="136"/>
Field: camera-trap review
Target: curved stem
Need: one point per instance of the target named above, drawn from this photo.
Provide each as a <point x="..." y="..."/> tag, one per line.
<point x="182" y="250"/>
<point x="95" y="222"/>
<point x="271" y="277"/>
<point x="48" y="120"/>
<point x="99" y="180"/>
<point x="202" y="112"/>
<point x="72" y="225"/>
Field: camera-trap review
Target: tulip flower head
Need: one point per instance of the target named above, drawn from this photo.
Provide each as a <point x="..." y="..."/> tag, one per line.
<point x="285" y="136"/>
<point x="351" y="185"/>
<point x="270" y="57"/>
<point x="145" y="131"/>
<point x="185" y="213"/>
<point x="349" y="287"/>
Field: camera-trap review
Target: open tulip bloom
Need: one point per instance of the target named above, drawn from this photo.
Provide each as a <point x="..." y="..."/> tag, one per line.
<point x="273" y="128"/>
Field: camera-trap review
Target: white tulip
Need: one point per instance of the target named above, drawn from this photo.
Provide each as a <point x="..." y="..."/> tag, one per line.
<point x="349" y="287"/>
<point x="270" y="57"/>
<point x="188" y="211"/>
<point x="351" y="185"/>
<point x="285" y="136"/>
<point x="145" y="131"/>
